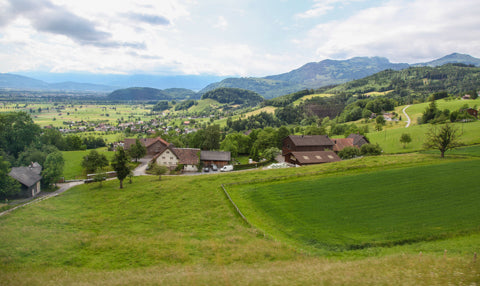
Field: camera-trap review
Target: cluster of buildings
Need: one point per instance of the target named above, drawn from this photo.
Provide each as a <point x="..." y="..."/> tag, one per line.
<point x="163" y="153"/>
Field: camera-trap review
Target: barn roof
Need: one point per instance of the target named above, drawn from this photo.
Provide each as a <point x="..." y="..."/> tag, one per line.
<point x="311" y="140"/>
<point x="215" y="156"/>
<point x="315" y="157"/>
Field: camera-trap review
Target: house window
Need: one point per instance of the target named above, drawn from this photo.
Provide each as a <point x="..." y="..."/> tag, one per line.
<point x="163" y="157"/>
<point x="171" y="158"/>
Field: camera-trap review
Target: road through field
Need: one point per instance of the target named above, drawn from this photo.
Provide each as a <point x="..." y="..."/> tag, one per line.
<point x="406" y="115"/>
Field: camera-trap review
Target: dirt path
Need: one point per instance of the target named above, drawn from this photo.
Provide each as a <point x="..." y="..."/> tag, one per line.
<point x="44" y="196"/>
<point x="406" y="115"/>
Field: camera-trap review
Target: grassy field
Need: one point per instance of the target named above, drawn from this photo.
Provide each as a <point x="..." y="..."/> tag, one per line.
<point x="310" y="96"/>
<point x="73" y="162"/>
<point x="183" y="231"/>
<point x="383" y="208"/>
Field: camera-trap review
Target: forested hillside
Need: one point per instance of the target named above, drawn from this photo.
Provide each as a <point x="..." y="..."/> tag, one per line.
<point x="234" y="96"/>
<point x="415" y="83"/>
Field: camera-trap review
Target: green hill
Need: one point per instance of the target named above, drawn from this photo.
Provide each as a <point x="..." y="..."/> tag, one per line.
<point x="416" y="82"/>
<point x="147" y="93"/>
<point x="234" y="96"/>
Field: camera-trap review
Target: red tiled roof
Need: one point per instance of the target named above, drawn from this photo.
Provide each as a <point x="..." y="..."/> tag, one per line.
<point x="144" y="141"/>
<point x="341" y="143"/>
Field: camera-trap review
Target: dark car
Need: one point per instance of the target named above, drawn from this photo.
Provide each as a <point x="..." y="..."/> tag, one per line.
<point x="206" y="169"/>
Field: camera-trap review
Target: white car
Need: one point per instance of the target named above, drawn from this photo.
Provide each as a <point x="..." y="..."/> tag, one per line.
<point x="226" y="168"/>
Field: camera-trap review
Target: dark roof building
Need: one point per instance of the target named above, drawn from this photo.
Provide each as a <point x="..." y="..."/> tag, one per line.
<point x="29" y="178"/>
<point x="219" y="158"/>
<point x="313" y="157"/>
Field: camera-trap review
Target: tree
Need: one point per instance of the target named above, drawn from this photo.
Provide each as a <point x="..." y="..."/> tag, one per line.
<point x="53" y="168"/>
<point x="17" y="131"/>
<point x="405" y="139"/>
<point x="138" y="150"/>
<point x="120" y="165"/>
<point x="212" y="138"/>
<point x="93" y="161"/>
<point x="349" y="152"/>
<point x="271" y="153"/>
<point x="159" y="170"/>
<point x="8" y="185"/>
<point x="444" y="138"/>
<point x="370" y="149"/>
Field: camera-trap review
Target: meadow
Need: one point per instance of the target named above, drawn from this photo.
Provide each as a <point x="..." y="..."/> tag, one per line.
<point x="182" y="230"/>
<point x="73" y="162"/>
<point x="383" y="208"/>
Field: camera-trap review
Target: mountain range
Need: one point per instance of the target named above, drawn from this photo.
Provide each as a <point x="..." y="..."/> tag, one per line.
<point x="309" y="76"/>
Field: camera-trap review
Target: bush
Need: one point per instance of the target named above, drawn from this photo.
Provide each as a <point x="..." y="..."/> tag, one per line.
<point x="349" y="152"/>
<point x="370" y="149"/>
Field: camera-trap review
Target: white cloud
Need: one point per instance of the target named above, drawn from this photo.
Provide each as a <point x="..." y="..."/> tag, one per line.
<point x="321" y="7"/>
<point x="400" y="30"/>
<point x="222" y="23"/>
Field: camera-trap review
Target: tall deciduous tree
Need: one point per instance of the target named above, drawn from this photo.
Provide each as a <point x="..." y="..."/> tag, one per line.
<point x="442" y="138"/>
<point x="93" y="161"/>
<point x="17" y="131"/>
<point x="53" y="168"/>
<point x="120" y="165"/>
<point x="137" y="150"/>
<point x="8" y="185"/>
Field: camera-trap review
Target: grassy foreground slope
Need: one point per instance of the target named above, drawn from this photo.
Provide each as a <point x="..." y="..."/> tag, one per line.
<point x="183" y="231"/>
<point x="383" y="208"/>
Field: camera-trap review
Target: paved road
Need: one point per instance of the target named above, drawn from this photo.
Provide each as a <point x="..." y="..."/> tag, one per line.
<point x="140" y="170"/>
<point x="406" y="115"/>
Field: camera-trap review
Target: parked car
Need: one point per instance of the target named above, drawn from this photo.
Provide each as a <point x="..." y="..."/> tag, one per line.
<point x="214" y="168"/>
<point x="226" y="168"/>
<point x="206" y="169"/>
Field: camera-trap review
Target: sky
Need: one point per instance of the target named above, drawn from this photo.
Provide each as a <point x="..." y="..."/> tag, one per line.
<point x="227" y="37"/>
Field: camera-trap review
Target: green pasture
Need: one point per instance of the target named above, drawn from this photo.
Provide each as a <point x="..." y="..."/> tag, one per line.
<point x="416" y="110"/>
<point x="78" y="112"/>
<point x="310" y="96"/>
<point x="389" y="138"/>
<point x="182" y="230"/>
<point x="382" y="208"/>
<point x="73" y="162"/>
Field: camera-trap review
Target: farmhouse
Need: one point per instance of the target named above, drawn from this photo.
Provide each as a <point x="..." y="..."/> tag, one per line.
<point x="218" y="158"/>
<point x="29" y="178"/>
<point x="153" y="145"/>
<point x="173" y="157"/>
<point x="305" y="143"/>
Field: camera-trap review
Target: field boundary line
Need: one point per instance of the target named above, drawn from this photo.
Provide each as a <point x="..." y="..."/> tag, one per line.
<point x="240" y="212"/>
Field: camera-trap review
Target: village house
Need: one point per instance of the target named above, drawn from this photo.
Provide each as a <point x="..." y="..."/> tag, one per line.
<point x="153" y="145"/>
<point x="172" y="157"/>
<point x="29" y="178"/>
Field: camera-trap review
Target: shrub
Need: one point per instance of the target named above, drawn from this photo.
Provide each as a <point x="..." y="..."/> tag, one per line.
<point x="349" y="152"/>
<point x="370" y="149"/>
